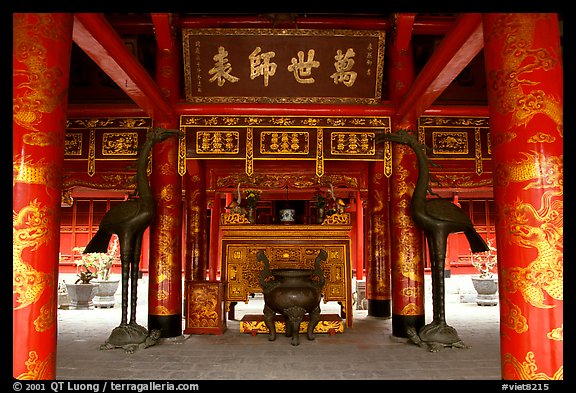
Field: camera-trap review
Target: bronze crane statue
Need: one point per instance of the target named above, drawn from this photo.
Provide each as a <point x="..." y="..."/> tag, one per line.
<point x="437" y="217"/>
<point x="129" y="220"/>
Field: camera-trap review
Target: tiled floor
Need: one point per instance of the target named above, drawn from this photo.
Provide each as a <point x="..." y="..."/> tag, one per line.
<point x="366" y="351"/>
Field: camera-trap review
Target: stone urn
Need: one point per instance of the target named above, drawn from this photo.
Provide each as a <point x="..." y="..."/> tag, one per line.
<point x="105" y="293"/>
<point x="81" y="295"/>
<point x="292" y="293"/>
<point x="487" y="289"/>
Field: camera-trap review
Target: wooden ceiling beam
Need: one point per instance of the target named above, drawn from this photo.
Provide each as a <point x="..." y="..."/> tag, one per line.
<point x="163" y="30"/>
<point x="403" y="30"/>
<point x="93" y="34"/>
<point x="460" y="45"/>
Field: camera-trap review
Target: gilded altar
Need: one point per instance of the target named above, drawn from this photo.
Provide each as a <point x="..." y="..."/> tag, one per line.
<point x="287" y="247"/>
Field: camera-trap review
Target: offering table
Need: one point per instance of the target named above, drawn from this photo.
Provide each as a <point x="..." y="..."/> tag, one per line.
<point x="287" y="247"/>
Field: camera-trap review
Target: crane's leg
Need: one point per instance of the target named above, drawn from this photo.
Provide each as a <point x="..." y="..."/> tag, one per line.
<point x="134" y="277"/>
<point x="125" y="254"/>
<point x="126" y="333"/>
<point x="438" y="334"/>
<point x="437" y="248"/>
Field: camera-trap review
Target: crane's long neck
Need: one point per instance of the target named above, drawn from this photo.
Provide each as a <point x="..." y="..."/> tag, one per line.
<point x="142" y="184"/>
<point x="421" y="187"/>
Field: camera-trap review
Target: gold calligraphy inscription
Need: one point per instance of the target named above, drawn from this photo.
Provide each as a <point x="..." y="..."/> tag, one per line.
<point x="217" y="142"/>
<point x="353" y="143"/>
<point x="260" y="64"/>
<point x="310" y="66"/>
<point x="343" y="65"/>
<point x="222" y="69"/>
<point x="274" y="142"/>
<point x="302" y="69"/>
<point x="527" y="370"/>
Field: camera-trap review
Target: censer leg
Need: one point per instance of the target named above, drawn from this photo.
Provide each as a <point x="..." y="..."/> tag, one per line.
<point x="269" y="322"/>
<point x="314" y="319"/>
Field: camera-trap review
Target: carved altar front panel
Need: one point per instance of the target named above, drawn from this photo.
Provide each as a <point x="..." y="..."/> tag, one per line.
<point x="286" y="246"/>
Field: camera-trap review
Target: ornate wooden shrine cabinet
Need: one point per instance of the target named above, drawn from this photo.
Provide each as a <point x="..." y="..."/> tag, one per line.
<point x="287" y="246"/>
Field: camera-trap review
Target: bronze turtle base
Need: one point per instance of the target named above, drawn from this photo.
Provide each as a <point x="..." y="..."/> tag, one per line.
<point x="131" y="337"/>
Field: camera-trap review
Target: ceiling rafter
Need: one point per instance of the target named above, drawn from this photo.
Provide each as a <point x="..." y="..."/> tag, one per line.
<point x="163" y="30"/>
<point x="403" y="30"/>
<point x="95" y="36"/>
<point x="460" y="45"/>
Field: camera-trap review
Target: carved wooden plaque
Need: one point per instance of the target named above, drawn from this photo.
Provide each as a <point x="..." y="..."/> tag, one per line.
<point x="283" y="65"/>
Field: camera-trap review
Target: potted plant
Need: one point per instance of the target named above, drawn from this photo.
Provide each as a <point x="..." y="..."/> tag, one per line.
<point x="82" y="292"/>
<point x="101" y="263"/>
<point x="108" y="285"/>
<point x="485" y="283"/>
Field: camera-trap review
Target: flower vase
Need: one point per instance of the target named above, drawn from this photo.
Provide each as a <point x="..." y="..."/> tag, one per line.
<point x="105" y="293"/>
<point x="320" y="215"/>
<point x="487" y="289"/>
<point x="251" y="215"/>
<point x="81" y="296"/>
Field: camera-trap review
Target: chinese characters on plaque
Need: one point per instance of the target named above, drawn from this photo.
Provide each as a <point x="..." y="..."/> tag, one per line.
<point x="295" y="66"/>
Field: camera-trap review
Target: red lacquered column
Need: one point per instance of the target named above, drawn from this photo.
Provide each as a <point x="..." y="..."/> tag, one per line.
<point x="359" y="238"/>
<point x="41" y="60"/>
<point x="196" y="221"/>
<point x="406" y="241"/>
<point x="378" y="264"/>
<point x="524" y="78"/>
<point x="165" y="271"/>
<point x="165" y="274"/>
<point x="214" y="254"/>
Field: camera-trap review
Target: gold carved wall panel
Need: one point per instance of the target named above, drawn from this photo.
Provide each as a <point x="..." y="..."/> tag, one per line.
<point x="313" y="138"/>
<point x="286" y="246"/>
